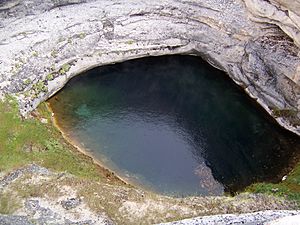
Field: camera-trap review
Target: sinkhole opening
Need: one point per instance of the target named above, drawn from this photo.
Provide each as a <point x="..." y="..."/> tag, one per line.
<point x="175" y="125"/>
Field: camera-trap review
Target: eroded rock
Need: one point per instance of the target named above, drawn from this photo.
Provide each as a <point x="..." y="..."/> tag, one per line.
<point x="283" y="13"/>
<point x="46" y="44"/>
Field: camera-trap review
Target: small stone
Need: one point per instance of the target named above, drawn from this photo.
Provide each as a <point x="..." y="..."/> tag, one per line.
<point x="70" y="203"/>
<point x="43" y="120"/>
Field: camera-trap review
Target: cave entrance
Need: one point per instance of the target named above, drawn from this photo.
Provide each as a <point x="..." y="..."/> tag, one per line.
<point x="175" y="125"/>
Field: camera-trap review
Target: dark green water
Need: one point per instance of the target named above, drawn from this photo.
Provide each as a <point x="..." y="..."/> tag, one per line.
<point x="176" y="125"/>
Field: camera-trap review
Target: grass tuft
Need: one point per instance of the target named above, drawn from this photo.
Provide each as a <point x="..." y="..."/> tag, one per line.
<point x="27" y="141"/>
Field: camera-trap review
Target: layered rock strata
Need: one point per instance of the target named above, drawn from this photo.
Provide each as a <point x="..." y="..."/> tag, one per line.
<point x="43" y="44"/>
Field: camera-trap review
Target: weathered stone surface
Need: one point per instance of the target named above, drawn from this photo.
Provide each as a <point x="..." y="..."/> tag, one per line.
<point x="42" y="196"/>
<point x="263" y="217"/>
<point x="45" y="43"/>
<point x="16" y="220"/>
<point x="70" y="203"/>
<point x="283" y="13"/>
<point x="32" y="168"/>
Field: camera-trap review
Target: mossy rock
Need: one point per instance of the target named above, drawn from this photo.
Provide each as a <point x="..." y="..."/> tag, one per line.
<point x="65" y="68"/>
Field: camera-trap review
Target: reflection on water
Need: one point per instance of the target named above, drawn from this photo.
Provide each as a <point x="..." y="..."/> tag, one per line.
<point x="176" y="125"/>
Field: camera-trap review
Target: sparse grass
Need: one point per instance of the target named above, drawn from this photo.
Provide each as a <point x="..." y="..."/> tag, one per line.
<point x="46" y="146"/>
<point x="290" y="114"/>
<point x="8" y="204"/>
<point x="65" y="68"/>
<point x="52" y="68"/>
<point x="82" y="35"/>
<point x="40" y="87"/>
<point x="50" y="76"/>
<point x="70" y="40"/>
<point x="130" y="42"/>
<point x="30" y="141"/>
<point x="54" y="53"/>
<point x="289" y="188"/>
<point x="27" y="81"/>
<point x="35" y="54"/>
<point x="284" y="112"/>
<point x="61" y="39"/>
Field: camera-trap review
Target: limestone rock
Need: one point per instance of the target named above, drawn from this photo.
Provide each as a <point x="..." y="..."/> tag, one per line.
<point x="263" y="217"/>
<point x="283" y="13"/>
<point x="43" y="44"/>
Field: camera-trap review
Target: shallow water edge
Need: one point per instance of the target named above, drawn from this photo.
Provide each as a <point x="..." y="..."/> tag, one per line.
<point x="81" y="149"/>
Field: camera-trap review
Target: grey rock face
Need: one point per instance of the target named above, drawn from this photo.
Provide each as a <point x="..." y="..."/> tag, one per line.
<point x="65" y="203"/>
<point x="283" y="13"/>
<point x="32" y="168"/>
<point x="45" y="43"/>
<point x="263" y="217"/>
<point x="16" y="220"/>
<point x="70" y="203"/>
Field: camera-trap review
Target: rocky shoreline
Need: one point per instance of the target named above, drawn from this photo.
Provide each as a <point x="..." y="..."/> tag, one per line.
<point x="44" y="44"/>
<point x="60" y="198"/>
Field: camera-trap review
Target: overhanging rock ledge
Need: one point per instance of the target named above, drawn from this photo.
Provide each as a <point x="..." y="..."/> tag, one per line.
<point x="45" y="43"/>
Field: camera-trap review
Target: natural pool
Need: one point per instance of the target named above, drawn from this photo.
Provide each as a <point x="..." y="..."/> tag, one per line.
<point x="175" y="125"/>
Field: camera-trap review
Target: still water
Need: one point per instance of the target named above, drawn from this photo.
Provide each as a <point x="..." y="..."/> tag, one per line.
<point x="175" y="125"/>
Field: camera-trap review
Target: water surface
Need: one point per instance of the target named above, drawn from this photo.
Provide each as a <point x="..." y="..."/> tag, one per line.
<point x="175" y="125"/>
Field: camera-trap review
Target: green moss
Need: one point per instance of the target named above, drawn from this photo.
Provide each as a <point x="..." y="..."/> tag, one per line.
<point x="54" y="53"/>
<point x="130" y="42"/>
<point x="69" y="40"/>
<point x="52" y="68"/>
<point x="8" y="204"/>
<point x="284" y="112"/>
<point x="27" y="81"/>
<point x="35" y="54"/>
<point x="290" y="114"/>
<point x="17" y="66"/>
<point x="64" y="69"/>
<point x="61" y="39"/>
<point x="40" y="87"/>
<point x="50" y="76"/>
<point x="27" y="94"/>
<point x="51" y="151"/>
<point x="289" y="188"/>
<point x="82" y="35"/>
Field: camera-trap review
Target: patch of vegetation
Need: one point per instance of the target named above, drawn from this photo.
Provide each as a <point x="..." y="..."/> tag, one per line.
<point x="50" y="76"/>
<point x="289" y="188"/>
<point x="8" y="204"/>
<point x="35" y="54"/>
<point x="17" y="66"/>
<point x="54" y="53"/>
<point x="69" y="40"/>
<point x="290" y="114"/>
<point x="284" y="112"/>
<point x="129" y="42"/>
<point x="61" y="39"/>
<point x="52" y="151"/>
<point x="27" y="81"/>
<point x="52" y="67"/>
<point x="65" y="68"/>
<point x="82" y="35"/>
<point x="40" y="87"/>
